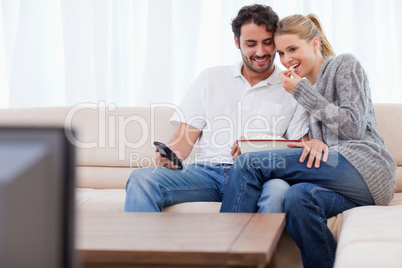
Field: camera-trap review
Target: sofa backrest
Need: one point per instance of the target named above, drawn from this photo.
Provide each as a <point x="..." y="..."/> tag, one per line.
<point x="111" y="141"/>
<point x="388" y="115"/>
<point x="103" y="137"/>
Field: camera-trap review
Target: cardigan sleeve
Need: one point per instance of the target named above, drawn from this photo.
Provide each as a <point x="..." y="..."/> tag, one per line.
<point x="341" y="98"/>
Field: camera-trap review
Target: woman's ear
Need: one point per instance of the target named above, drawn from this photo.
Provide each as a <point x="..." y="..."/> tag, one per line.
<point x="316" y="43"/>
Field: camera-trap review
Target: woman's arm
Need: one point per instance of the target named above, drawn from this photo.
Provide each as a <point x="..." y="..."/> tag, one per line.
<point x="316" y="150"/>
<point x="345" y="115"/>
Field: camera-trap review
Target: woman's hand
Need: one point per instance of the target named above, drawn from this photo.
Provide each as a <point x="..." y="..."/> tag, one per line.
<point x="317" y="149"/>
<point x="289" y="79"/>
<point x="164" y="162"/>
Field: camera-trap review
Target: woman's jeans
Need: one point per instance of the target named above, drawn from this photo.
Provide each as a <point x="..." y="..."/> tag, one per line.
<point x="314" y="196"/>
<point x="150" y="189"/>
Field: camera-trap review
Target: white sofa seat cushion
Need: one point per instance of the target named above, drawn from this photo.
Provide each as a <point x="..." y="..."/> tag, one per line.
<point x="371" y="237"/>
<point x="100" y="200"/>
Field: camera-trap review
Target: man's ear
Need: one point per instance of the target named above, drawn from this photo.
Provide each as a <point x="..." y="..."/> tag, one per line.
<point x="236" y="42"/>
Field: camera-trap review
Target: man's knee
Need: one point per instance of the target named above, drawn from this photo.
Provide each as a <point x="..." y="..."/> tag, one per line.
<point x="143" y="191"/>
<point x="272" y="196"/>
<point x="141" y="178"/>
<point x="276" y="187"/>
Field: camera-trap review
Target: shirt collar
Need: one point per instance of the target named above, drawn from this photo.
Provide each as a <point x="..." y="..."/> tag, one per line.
<point x="273" y="79"/>
<point x="236" y="69"/>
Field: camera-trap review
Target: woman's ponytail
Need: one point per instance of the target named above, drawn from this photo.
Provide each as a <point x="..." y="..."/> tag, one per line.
<point x="326" y="48"/>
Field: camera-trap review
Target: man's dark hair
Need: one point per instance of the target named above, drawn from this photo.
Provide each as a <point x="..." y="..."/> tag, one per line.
<point x="257" y="14"/>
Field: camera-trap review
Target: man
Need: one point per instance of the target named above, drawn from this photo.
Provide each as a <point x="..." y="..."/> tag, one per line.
<point x="223" y="104"/>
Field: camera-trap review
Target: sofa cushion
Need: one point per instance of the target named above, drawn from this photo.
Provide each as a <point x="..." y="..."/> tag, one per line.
<point x="99" y="200"/>
<point x="371" y="237"/>
<point x="398" y="179"/>
<point x="390" y="130"/>
<point x="104" y="135"/>
<point x="112" y="200"/>
<point x="102" y="177"/>
<point x="397" y="200"/>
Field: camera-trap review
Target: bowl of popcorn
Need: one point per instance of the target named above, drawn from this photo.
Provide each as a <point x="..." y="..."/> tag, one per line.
<point x="263" y="143"/>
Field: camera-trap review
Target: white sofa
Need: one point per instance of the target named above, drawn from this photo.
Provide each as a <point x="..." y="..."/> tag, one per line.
<point x="112" y="141"/>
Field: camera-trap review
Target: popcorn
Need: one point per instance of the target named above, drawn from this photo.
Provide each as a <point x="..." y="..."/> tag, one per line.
<point x="292" y="67"/>
<point x="289" y="74"/>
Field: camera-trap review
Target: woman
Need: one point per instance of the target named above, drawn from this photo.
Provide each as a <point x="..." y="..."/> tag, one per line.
<point x="352" y="166"/>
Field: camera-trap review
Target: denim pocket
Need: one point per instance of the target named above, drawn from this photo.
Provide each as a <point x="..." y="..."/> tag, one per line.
<point x="225" y="176"/>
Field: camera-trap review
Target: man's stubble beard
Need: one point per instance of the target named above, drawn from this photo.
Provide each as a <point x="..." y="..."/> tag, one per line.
<point x="249" y="64"/>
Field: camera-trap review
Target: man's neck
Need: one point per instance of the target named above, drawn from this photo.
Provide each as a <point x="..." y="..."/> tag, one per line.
<point x="254" y="78"/>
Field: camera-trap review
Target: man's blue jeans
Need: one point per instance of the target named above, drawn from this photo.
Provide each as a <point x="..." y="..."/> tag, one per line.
<point x="150" y="189"/>
<point x="314" y="196"/>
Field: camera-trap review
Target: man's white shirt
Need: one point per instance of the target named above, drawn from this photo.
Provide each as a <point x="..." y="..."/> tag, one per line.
<point x="223" y="105"/>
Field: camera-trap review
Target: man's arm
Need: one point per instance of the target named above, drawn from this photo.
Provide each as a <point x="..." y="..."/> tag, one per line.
<point x="181" y="143"/>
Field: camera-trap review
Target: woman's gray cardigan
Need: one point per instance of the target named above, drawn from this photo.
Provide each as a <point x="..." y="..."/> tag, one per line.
<point x="342" y="115"/>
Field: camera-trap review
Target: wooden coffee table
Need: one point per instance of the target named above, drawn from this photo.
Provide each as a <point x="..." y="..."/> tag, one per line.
<point x="178" y="239"/>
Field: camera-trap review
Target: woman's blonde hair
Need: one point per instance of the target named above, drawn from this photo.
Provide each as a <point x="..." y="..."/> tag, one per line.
<point x="306" y="27"/>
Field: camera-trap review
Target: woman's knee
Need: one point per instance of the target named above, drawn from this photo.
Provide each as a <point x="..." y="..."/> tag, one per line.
<point x="298" y="195"/>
